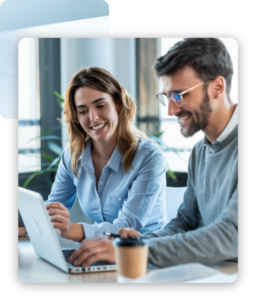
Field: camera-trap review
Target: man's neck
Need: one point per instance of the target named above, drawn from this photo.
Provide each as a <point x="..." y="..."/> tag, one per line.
<point x="218" y="121"/>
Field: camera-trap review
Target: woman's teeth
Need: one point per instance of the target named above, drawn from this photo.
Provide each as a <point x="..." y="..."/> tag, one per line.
<point x="98" y="127"/>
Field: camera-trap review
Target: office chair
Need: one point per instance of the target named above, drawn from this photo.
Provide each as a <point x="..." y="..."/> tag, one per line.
<point x="173" y="197"/>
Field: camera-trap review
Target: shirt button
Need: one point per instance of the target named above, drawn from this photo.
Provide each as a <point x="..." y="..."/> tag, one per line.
<point x="98" y="200"/>
<point x="101" y="182"/>
<point x="99" y="210"/>
<point x="119" y="199"/>
<point x="103" y="174"/>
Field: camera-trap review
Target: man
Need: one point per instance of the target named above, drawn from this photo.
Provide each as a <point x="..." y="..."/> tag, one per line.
<point x="196" y="76"/>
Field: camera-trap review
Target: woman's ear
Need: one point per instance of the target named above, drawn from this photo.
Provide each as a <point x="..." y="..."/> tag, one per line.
<point x="218" y="87"/>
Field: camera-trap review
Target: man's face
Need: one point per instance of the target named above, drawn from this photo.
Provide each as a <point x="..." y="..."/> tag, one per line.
<point x="195" y="111"/>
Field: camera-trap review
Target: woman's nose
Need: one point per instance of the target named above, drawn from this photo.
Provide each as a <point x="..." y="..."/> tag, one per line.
<point x="93" y="115"/>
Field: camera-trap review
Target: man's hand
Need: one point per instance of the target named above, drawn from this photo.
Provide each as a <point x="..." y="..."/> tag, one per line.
<point x="93" y="250"/>
<point x="128" y="232"/>
<point x="22" y="230"/>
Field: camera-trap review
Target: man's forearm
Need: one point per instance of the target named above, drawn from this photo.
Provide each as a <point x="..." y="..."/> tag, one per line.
<point x="213" y="243"/>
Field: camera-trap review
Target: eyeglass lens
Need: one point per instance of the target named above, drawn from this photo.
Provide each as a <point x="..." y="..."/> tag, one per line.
<point x="173" y="96"/>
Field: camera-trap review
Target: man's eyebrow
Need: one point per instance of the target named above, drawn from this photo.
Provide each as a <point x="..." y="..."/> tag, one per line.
<point x="175" y="91"/>
<point x="95" y="101"/>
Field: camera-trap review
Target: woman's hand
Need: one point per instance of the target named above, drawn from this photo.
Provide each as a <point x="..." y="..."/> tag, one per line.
<point x="22" y="230"/>
<point x="93" y="250"/>
<point x="60" y="218"/>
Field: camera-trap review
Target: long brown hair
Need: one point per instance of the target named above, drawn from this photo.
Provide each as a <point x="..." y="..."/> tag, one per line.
<point x="127" y="135"/>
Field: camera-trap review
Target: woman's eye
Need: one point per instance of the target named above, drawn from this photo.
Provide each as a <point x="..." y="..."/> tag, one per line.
<point x="83" y="111"/>
<point x="100" y="106"/>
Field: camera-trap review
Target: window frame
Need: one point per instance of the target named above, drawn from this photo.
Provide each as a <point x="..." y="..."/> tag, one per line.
<point x="49" y="81"/>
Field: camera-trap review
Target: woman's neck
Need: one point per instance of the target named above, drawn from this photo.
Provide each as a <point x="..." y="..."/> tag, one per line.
<point x="103" y="150"/>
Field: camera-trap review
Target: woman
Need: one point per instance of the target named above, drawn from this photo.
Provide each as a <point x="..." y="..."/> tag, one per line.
<point x="116" y="172"/>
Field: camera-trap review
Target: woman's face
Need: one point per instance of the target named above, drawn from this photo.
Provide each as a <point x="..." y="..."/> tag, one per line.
<point x="97" y="114"/>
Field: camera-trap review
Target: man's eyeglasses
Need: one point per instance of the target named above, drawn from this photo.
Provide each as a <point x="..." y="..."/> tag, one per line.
<point x="176" y="97"/>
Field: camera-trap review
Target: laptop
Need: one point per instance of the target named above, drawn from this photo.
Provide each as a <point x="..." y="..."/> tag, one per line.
<point x="44" y="238"/>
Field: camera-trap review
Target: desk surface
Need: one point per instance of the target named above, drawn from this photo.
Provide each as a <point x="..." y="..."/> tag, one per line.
<point x="33" y="269"/>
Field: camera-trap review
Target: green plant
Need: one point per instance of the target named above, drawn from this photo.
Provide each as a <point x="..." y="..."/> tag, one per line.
<point x="50" y="163"/>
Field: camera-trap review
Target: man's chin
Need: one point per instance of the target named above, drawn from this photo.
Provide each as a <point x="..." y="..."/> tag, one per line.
<point x="188" y="131"/>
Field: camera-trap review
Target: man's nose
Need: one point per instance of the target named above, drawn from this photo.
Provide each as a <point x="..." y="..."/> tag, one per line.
<point x="173" y="109"/>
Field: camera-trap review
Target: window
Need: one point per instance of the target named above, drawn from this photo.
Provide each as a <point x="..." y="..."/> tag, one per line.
<point x="29" y="107"/>
<point x="38" y="78"/>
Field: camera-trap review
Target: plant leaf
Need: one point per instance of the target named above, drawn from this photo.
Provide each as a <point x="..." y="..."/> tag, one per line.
<point x="55" y="148"/>
<point x="50" y="137"/>
<point x="58" y="96"/>
<point x="36" y="174"/>
<point x="46" y="156"/>
<point x="46" y="132"/>
<point x="160" y="133"/>
<point x="54" y="162"/>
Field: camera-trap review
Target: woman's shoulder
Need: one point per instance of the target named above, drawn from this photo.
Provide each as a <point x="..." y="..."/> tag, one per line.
<point x="148" y="146"/>
<point x="66" y="155"/>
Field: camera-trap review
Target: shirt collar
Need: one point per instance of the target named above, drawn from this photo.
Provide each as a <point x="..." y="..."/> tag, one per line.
<point x="114" y="162"/>
<point x="230" y="126"/>
<point x="233" y="122"/>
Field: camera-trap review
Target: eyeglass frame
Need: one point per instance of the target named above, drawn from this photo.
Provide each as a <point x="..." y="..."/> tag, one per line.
<point x="181" y="94"/>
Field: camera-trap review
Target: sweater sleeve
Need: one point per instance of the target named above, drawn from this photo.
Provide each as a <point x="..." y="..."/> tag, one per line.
<point x="188" y="216"/>
<point x="213" y="243"/>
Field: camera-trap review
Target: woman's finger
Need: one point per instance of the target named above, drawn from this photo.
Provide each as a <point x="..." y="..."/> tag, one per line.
<point x="22" y="230"/>
<point x="91" y="248"/>
<point x="56" y="205"/>
<point x="108" y="256"/>
<point x="56" y="211"/>
<point x="83" y="247"/>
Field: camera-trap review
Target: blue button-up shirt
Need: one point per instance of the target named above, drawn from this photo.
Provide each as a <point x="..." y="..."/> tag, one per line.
<point x="135" y="199"/>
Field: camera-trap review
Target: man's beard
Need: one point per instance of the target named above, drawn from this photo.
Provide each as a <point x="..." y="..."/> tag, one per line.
<point x="201" y="118"/>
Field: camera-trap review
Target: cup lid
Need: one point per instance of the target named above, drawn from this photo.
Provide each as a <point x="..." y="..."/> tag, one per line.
<point x="129" y="242"/>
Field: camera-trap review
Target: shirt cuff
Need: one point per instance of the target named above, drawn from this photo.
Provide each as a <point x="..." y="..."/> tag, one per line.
<point x="89" y="230"/>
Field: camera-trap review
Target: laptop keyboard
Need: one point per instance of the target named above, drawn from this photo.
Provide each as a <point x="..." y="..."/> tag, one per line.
<point x="68" y="253"/>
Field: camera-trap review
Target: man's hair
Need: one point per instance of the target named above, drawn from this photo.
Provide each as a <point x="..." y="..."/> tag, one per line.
<point x="127" y="134"/>
<point x="208" y="57"/>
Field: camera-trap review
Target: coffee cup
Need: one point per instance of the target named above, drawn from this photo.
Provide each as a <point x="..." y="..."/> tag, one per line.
<point x="131" y="256"/>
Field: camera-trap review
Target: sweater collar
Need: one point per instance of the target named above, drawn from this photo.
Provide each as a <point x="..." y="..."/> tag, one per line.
<point x="227" y="135"/>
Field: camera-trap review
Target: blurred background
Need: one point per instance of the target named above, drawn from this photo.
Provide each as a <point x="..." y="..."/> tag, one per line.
<point x="45" y="69"/>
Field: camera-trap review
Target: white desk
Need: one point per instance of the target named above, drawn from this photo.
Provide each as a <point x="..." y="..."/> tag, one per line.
<point x="33" y="269"/>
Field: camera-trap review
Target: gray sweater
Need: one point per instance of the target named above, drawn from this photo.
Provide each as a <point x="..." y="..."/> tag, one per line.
<point x="206" y="227"/>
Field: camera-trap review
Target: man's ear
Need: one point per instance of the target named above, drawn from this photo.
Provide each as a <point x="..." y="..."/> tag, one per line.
<point x="218" y="87"/>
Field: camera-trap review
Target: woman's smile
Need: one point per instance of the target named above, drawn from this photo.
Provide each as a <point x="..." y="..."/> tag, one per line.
<point x="98" y="127"/>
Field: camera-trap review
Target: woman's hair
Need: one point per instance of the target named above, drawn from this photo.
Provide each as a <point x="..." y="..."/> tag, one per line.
<point x="127" y="135"/>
